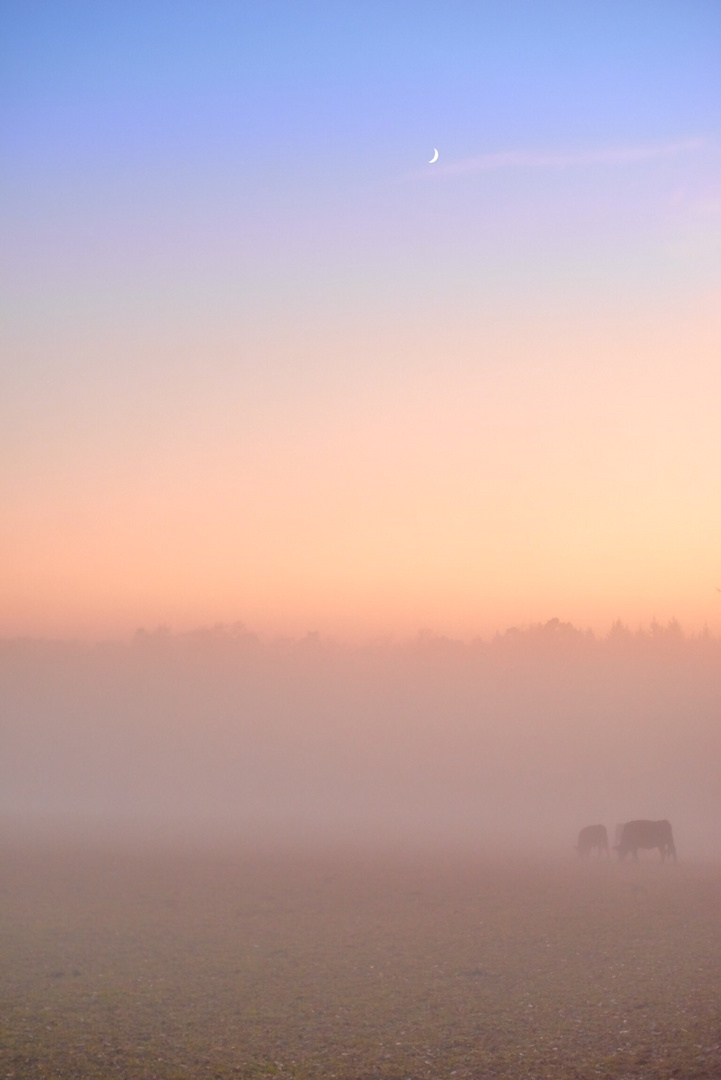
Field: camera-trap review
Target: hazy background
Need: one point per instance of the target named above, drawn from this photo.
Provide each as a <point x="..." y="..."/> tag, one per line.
<point x="517" y="742"/>
<point x="260" y="361"/>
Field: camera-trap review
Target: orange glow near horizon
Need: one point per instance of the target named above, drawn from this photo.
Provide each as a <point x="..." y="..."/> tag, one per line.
<point x="573" y="476"/>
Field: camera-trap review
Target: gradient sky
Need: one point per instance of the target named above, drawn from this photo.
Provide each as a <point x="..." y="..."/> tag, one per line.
<point x="262" y="362"/>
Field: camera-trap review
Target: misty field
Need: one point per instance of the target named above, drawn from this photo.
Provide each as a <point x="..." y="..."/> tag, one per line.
<point x="140" y="963"/>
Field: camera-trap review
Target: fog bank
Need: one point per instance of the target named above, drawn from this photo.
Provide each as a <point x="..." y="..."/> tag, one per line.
<point x="518" y="741"/>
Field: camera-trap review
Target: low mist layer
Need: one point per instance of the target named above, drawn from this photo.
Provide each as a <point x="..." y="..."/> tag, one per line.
<point x="515" y="742"/>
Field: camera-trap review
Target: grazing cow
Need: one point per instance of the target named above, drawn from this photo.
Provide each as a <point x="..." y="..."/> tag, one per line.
<point x="593" y="836"/>
<point x="647" y="834"/>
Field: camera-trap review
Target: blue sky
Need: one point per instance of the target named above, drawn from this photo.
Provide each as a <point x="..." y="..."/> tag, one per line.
<point x="174" y="138"/>
<point x="366" y="83"/>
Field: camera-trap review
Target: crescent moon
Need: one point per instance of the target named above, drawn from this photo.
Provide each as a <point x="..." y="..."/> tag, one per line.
<point x="434" y="158"/>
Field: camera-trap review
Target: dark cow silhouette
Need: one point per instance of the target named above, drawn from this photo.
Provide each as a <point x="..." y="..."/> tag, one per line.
<point x="593" y="836"/>
<point x="646" y="834"/>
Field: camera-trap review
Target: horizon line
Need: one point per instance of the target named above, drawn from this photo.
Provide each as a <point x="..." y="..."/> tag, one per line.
<point x="239" y="630"/>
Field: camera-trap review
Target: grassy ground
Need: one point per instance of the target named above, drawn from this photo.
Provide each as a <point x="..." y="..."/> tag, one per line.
<point x="129" y="965"/>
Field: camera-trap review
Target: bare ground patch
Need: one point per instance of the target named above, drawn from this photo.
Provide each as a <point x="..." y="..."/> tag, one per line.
<point x="163" y="964"/>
